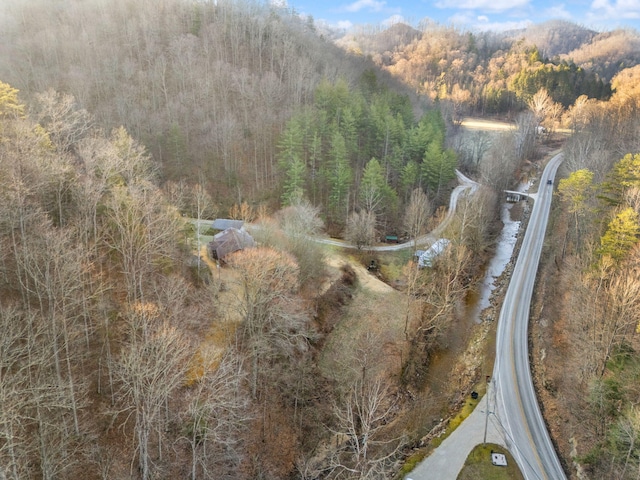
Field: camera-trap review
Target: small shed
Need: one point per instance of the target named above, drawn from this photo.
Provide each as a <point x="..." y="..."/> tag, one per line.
<point x="224" y="223"/>
<point x="499" y="459"/>
<point x="229" y="241"/>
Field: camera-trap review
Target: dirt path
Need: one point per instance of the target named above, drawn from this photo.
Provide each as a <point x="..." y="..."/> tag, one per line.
<point x="365" y="279"/>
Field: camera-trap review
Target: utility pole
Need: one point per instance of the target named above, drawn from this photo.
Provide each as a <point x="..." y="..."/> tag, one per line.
<point x="486" y="416"/>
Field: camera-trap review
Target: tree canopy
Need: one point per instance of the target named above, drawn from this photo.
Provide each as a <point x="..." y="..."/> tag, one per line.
<point x="361" y="147"/>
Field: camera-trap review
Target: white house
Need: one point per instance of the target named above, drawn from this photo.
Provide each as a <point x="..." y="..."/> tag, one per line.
<point x="425" y="257"/>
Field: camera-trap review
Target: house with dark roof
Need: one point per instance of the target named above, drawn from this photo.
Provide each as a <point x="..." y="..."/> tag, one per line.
<point x="229" y="241"/>
<point x="224" y="223"/>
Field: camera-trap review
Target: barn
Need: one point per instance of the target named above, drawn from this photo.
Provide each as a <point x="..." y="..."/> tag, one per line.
<point x="229" y="241"/>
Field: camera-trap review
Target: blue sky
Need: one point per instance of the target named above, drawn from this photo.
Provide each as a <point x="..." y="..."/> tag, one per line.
<point x="497" y="15"/>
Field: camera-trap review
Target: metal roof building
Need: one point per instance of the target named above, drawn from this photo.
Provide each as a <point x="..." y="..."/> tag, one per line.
<point x="229" y="241"/>
<point x="224" y="223"/>
<point x="425" y="257"/>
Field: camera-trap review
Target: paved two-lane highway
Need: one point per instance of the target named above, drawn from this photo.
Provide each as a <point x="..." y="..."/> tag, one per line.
<point x="516" y="405"/>
<point x="513" y="419"/>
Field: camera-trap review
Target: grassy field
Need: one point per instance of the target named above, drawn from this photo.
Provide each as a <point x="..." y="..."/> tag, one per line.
<point x="479" y="467"/>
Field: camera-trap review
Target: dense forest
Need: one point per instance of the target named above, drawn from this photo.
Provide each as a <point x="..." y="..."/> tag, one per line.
<point x="206" y="87"/>
<point x="363" y="141"/>
<point x="588" y="304"/>
<point x="491" y="73"/>
<point x="128" y="353"/>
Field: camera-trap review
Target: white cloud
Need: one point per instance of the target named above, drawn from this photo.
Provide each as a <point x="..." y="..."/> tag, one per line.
<point x="393" y="19"/>
<point x="463" y="19"/>
<point x="371" y="5"/>
<point x="482" y="23"/>
<point x="558" y="11"/>
<point x="279" y="3"/>
<point x="344" y="25"/>
<point x="502" y="26"/>
<point x="491" y="5"/>
<point x="615" y="10"/>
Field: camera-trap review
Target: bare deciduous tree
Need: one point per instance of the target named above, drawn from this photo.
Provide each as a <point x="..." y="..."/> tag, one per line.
<point x="472" y="148"/>
<point x="440" y="288"/>
<point x="364" y="452"/>
<point x="604" y="311"/>
<point x="274" y="321"/>
<point x="16" y="362"/>
<point x="416" y="216"/>
<point x="54" y="273"/>
<point x="473" y="219"/>
<point x="65" y="123"/>
<point x="525" y="137"/>
<point x="625" y="439"/>
<point x="500" y="163"/>
<point x="242" y="211"/>
<point x="300" y="222"/>
<point x="142" y="230"/>
<point x="148" y="370"/>
<point x="216" y="414"/>
<point x="203" y="208"/>
<point x="540" y="105"/>
<point x="361" y="228"/>
<point x="300" y="219"/>
<point x="618" y="307"/>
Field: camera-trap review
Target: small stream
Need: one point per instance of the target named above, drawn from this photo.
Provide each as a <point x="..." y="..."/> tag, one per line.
<point x="504" y="250"/>
<point x="476" y="301"/>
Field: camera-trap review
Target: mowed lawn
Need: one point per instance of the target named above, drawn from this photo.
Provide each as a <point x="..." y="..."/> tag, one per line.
<point x="479" y="467"/>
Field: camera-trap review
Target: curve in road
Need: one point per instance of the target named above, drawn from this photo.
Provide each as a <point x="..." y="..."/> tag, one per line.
<point x="509" y="414"/>
<point x="516" y="403"/>
<point x="466" y="186"/>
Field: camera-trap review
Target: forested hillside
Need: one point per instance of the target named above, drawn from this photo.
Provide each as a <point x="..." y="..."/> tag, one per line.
<point x="128" y="352"/>
<point x="92" y="285"/>
<point x="490" y="73"/>
<point x="123" y="356"/>
<point x="361" y="149"/>
<point x="554" y="38"/>
<point x="207" y="87"/>
<point x="586" y="318"/>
